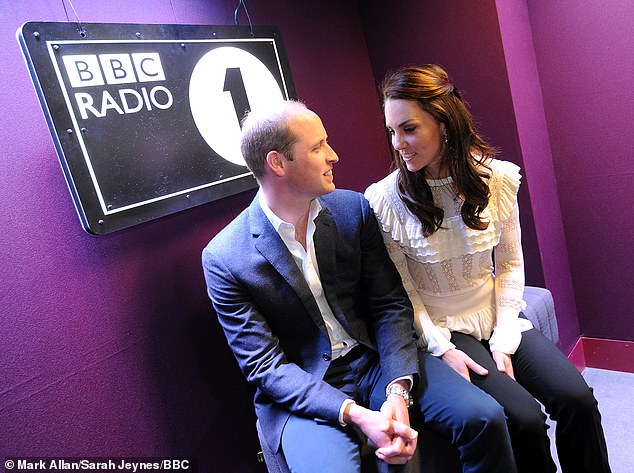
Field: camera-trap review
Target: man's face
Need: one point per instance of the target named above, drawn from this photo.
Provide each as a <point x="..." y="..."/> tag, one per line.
<point x="309" y="174"/>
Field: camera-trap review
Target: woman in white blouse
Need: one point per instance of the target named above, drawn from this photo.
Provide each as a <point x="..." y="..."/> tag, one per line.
<point x="450" y="221"/>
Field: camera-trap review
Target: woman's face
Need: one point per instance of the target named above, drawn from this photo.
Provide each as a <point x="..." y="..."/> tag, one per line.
<point x="416" y="136"/>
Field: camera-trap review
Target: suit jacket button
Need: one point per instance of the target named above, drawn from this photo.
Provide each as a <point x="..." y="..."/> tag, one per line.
<point x="326" y="357"/>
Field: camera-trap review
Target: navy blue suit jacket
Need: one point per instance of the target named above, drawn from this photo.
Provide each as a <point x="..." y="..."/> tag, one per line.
<point x="272" y="322"/>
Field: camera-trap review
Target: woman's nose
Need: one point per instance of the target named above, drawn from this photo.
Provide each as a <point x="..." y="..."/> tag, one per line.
<point x="397" y="142"/>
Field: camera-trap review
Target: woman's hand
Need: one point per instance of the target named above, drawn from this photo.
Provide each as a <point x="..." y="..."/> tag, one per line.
<point x="503" y="363"/>
<point x="461" y="363"/>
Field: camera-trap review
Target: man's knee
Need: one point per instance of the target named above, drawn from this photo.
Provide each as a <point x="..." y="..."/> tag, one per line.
<point x="484" y="418"/>
<point x="490" y="416"/>
<point x="314" y="447"/>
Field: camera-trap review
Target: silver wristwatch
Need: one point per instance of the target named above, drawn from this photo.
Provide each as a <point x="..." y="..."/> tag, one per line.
<point x="399" y="391"/>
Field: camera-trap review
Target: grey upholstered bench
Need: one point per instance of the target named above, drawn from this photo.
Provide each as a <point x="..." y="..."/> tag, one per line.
<point x="435" y="453"/>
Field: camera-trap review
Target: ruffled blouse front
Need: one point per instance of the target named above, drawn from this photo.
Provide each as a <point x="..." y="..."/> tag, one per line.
<point x="450" y="276"/>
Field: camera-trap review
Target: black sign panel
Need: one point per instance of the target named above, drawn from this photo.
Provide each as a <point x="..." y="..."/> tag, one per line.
<point x="146" y="118"/>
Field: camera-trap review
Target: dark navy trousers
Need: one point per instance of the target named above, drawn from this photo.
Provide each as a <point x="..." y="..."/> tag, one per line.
<point x="543" y="373"/>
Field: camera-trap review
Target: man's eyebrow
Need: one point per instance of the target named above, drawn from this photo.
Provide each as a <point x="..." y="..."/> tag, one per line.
<point x="319" y="142"/>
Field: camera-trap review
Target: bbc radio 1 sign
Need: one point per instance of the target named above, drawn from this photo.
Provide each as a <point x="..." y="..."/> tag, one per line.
<point x="146" y="118"/>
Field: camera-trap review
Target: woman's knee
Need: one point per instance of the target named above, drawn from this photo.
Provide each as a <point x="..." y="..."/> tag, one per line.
<point x="580" y="400"/>
<point x="529" y="420"/>
<point x="583" y="399"/>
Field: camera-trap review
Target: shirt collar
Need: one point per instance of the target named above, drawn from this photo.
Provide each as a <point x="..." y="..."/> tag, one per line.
<point x="315" y="208"/>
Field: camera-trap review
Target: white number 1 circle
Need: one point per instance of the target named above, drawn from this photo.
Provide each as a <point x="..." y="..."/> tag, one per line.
<point x="224" y="82"/>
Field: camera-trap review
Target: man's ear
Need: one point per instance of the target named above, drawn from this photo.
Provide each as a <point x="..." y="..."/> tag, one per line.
<point x="276" y="161"/>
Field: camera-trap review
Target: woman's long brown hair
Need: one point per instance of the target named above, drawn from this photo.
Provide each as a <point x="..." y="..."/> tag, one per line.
<point x="464" y="155"/>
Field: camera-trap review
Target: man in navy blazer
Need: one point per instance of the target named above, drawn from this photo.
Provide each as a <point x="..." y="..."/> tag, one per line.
<point x="319" y="322"/>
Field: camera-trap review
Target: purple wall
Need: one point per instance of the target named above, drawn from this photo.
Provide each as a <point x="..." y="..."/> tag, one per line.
<point x="586" y="65"/>
<point x="108" y="343"/>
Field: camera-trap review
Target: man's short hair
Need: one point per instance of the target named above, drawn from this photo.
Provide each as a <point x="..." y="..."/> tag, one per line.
<point x="268" y="130"/>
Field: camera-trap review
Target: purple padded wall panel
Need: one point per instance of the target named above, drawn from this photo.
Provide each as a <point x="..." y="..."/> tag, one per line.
<point x="586" y="64"/>
<point x="538" y="166"/>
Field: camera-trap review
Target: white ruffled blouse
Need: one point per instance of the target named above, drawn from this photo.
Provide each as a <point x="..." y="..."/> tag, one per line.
<point x="450" y="276"/>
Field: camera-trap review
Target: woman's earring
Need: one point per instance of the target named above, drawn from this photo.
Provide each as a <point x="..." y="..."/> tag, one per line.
<point x="444" y="138"/>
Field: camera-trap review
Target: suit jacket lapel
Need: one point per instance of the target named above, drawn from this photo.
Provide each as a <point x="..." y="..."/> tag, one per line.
<point x="325" y="240"/>
<point x="325" y="249"/>
<point x="270" y="245"/>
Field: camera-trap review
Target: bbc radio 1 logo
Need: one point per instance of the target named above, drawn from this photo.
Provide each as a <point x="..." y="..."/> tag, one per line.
<point x="224" y="83"/>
